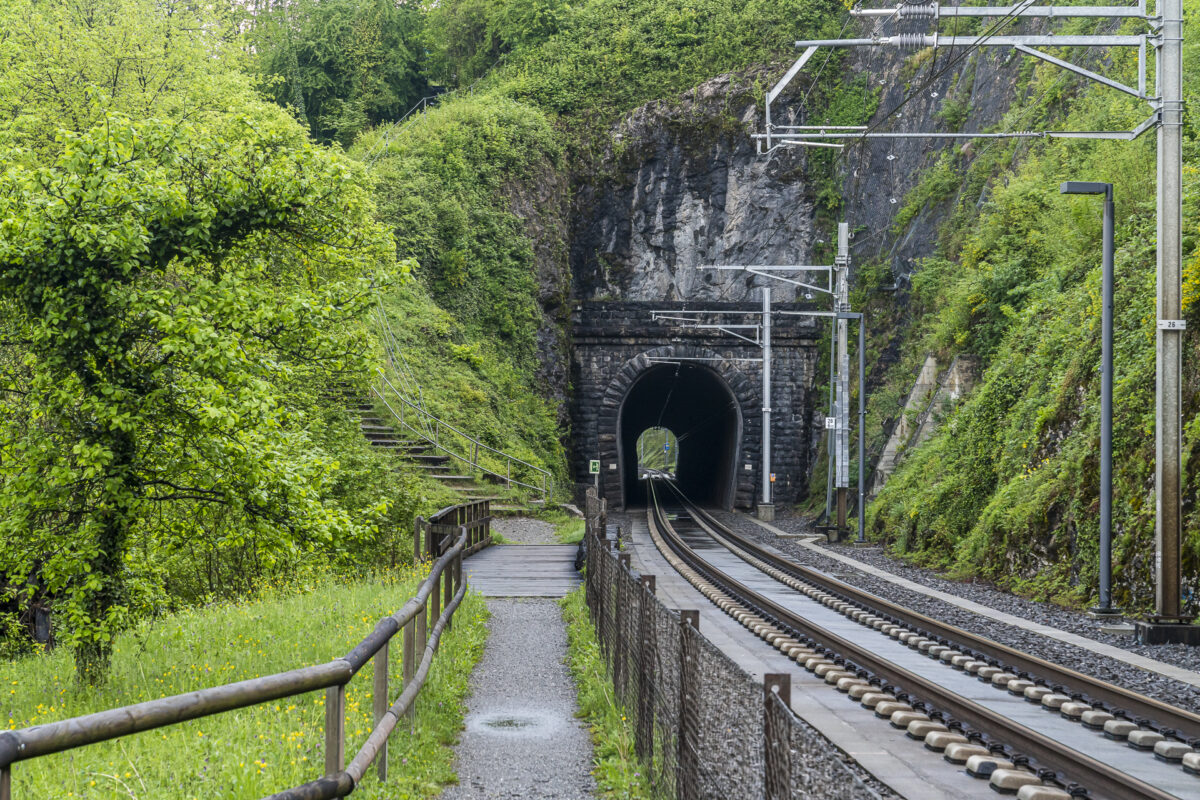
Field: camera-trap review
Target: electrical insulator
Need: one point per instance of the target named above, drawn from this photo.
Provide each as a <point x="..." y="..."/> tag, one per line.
<point x="912" y="11"/>
<point x="909" y="41"/>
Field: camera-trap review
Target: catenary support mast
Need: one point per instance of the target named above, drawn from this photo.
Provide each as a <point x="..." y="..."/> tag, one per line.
<point x="1165" y="35"/>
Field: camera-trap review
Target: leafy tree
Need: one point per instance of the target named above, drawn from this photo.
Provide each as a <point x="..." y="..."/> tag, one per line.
<point x="341" y="65"/>
<point x="69" y="64"/>
<point x="175" y="296"/>
<point x="465" y="38"/>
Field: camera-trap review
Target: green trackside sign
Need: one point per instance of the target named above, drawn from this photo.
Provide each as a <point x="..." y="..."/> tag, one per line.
<point x="594" y="466"/>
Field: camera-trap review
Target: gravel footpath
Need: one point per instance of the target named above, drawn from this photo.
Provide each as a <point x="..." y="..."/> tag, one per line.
<point x="522" y="741"/>
<point x="1077" y="658"/>
<point x="524" y="530"/>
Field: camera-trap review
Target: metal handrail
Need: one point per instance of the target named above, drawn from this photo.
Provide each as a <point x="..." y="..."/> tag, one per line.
<point x="397" y="361"/>
<point x="474" y="445"/>
<point x="40" y="740"/>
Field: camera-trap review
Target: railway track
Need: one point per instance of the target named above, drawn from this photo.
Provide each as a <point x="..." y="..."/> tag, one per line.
<point x="1008" y="716"/>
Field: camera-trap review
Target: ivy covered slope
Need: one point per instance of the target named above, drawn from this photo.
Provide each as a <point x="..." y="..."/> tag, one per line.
<point x="1007" y="489"/>
<point x="468" y="323"/>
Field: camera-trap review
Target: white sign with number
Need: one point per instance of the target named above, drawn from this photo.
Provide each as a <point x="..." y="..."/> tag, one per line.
<point x="1172" y="324"/>
<point x="830" y="423"/>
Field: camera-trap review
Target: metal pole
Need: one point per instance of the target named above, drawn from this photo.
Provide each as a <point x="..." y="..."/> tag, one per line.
<point x="842" y="432"/>
<point x="1168" y="384"/>
<point x="766" y="388"/>
<point x="1106" y="382"/>
<point x="830" y="437"/>
<point x="862" y="419"/>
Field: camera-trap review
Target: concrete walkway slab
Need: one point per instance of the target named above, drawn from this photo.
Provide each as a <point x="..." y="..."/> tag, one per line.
<point x="532" y="570"/>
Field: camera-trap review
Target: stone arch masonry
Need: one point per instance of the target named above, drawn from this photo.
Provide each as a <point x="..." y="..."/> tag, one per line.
<point x="612" y="344"/>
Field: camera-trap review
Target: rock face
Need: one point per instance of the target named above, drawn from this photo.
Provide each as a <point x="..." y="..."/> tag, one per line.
<point x="973" y="94"/>
<point x="682" y="187"/>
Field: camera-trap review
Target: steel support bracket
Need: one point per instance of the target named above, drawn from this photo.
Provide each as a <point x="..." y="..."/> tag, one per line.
<point x="1078" y="70"/>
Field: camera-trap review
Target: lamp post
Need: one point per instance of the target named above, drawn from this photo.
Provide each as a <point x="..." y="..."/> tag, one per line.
<point x="1106" y="379"/>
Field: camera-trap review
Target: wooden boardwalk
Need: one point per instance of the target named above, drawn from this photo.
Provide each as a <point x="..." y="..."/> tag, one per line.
<point x="527" y="570"/>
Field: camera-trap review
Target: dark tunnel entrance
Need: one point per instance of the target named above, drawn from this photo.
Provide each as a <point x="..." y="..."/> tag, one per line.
<point x="696" y="404"/>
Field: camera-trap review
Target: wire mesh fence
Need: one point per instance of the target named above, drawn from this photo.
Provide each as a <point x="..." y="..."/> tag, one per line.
<point x="703" y="727"/>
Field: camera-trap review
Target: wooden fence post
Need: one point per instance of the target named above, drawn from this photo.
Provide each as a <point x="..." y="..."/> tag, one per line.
<point x="422" y="631"/>
<point x="458" y="575"/>
<point x="644" y="733"/>
<point x="451" y="585"/>
<point x="417" y="539"/>
<point x="621" y="617"/>
<point x="381" y="703"/>
<point x="335" y="730"/>
<point x="602" y="597"/>
<point x="410" y="655"/>
<point x="6" y="783"/>
<point x="589" y="571"/>
<point x="435" y="600"/>
<point x="687" y="783"/>
<point x="777" y="761"/>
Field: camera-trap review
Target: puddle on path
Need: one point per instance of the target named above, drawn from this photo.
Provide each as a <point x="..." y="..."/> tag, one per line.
<point x="515" y="724"/>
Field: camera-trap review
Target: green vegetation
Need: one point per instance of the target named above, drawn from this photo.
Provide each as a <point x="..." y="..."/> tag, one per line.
<point x="184" y="281"/>
<point x="616" y="770"/>
<point x="1007" y="488"/>
<point x="189" y="291"/>
<point x="250" y="753"/>
<point x="466" y="380"/>
<point x="340" y="65"/>
<point x="568" y="528"/>
<point x="175" y="369"/>
<point x="445" y="188"/>
<point x="603" y="57"/>
<point x="657" y="449"/>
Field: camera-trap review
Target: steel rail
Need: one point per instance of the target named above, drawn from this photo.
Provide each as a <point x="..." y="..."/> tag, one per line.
<point x="1104" y="779"/>
<point x="1164" y="715"/>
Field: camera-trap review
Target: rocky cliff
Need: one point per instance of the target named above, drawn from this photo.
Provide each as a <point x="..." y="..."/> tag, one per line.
<point x="680" y="187"/>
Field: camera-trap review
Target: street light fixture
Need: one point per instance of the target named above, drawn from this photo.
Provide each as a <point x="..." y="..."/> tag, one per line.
<point x="1105" y="609"/>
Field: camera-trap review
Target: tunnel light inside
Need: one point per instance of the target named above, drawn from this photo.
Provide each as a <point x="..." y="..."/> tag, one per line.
<point x="658" y="453"/>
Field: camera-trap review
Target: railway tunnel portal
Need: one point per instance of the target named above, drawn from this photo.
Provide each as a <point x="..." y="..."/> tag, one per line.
<point x="630" y="373"/>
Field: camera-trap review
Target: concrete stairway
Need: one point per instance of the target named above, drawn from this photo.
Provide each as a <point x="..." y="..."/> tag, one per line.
<point x="436" y="464"/>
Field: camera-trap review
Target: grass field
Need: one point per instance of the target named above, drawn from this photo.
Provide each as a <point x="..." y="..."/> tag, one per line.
<point x="255" y="751"/>
<point x="616" y="770"/>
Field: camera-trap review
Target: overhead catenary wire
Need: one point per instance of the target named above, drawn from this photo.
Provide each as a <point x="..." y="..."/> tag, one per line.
<point x="997" y="27"/>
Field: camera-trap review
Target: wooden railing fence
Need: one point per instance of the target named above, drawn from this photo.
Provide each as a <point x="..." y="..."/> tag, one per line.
<point x="451" y="534"/>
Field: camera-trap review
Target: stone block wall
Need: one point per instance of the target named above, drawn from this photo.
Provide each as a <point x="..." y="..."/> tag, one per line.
<point x="613" y="343"/>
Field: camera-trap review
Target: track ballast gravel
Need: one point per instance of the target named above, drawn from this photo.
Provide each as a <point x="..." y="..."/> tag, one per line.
<point x="1085" y="661"/>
